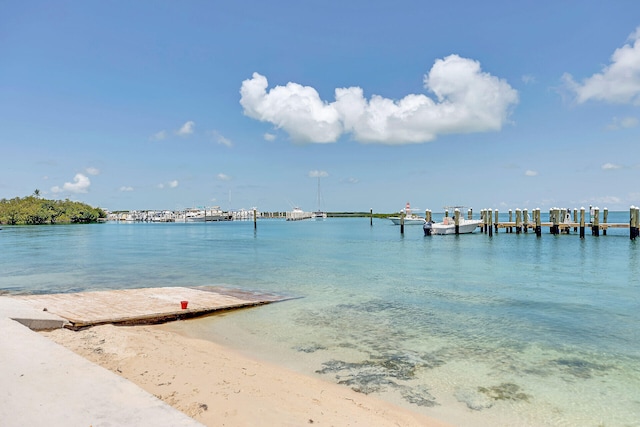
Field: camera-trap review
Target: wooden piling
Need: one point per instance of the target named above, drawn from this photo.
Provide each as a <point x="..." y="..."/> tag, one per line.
<point x="490" y="225"/>
<point x="633" y="222"/>
<point x="518" y="221"/>
<point x="255" y="219"/>
<point x="510" y="230"/>
<point x="605" y="213"/>
<point x="456" y="218"/>
<point x="497" y="221"/>
<point x="371" y="217"/>
<point x="595" y="226"/>
<point x="582" y="215"/>
<point x="485" y="222"/>
<point x="538" y="222"/>
<point x="575" y="218"/>
<point x="525" y="220"/>
<point x="402" y="223"/>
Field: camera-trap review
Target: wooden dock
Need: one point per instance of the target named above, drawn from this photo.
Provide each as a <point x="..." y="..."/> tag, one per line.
<point x="145" y="305"/>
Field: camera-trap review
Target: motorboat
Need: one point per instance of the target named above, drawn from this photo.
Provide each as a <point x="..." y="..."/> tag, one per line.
<point x="409" y="217"/>
<point x="448" y="226"/>
<point x="319" y="215"/>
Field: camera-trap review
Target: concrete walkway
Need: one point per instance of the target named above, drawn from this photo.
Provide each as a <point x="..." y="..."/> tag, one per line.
<point x="44" y="384"/>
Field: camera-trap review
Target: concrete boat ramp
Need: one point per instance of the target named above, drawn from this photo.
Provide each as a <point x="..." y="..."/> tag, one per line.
<point x="143" y="306"/>
<point x="44" y="383"/>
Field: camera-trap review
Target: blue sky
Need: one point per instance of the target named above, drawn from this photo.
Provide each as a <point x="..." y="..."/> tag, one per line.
<point x="167" y="104"/>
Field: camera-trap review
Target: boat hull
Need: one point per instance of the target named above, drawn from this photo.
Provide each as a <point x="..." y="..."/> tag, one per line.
<point x="464" y="228"/>
<point x="407" y="221"/>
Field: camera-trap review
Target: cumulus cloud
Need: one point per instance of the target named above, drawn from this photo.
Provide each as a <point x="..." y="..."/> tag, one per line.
<point x="126" y="188"/>
<point x="623" y="123"/>
<point x="269" y="136"/>
<point x="318" y="174"/>
<point x="186" y="129"/>
<point x="530" y="173"/>
<point x="80" y="184"/>
<point x="170" y="184"/>
<point x="158" y="136"/>
<point x="528" y="79"/>
<point x="466" y="100"/>
<point x="220" y="139"/>
<point x="610" y="166"/>
<point x="223" y="177"/>
<point x="619" y="82"/>
<point x="92" y="171"/>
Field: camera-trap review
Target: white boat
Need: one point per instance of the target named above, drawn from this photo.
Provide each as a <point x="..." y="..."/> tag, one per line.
<point x="319" y="214"/>
<point x="194" y="215"/>
<point x="448" y="226"/>
<point x="297" y="214"/>
<point x="409" y="217"/>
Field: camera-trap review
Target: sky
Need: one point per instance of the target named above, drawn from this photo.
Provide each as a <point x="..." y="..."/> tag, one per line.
<point x="343" y="106"/>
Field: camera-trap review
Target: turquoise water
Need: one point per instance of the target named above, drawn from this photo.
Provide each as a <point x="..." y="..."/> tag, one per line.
<point x="508" y="330"/>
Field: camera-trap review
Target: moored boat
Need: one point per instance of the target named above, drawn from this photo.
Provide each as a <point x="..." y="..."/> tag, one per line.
<point x="409" y="217"/>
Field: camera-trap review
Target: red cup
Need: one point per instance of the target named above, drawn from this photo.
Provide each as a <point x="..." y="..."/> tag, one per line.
<point x="184" y="304"/>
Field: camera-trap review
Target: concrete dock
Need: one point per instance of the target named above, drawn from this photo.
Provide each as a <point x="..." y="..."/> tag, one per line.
<point x="43" y="383"/>
<point x="142" y="306"/>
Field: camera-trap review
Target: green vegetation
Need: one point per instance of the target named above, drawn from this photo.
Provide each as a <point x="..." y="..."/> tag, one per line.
<point x="33" y="210"/>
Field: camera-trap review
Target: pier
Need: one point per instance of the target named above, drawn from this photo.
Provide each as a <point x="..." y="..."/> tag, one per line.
<point x="561" y="221"/>
<point x="142" y="306"/>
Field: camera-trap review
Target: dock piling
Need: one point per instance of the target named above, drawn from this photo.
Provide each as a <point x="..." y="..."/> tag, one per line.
<point x="582" y="215"/>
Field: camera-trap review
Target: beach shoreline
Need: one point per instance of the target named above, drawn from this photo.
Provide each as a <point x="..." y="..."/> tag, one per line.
<point x="217" y="385"/>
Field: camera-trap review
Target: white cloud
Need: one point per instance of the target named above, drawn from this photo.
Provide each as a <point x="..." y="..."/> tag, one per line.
<point x="80" y="184"/>
<point x="467" y="100"/>
<point x="531" y="173"/>
<point x="221" y="139"/>
<point x="610" y="166"/>
<point x="618" y="82"/>
<point x="351" y="180"/>
<point x="528" y="79"/>
<point x="170" y="184"/>
<point x="186" y="129"/>
<point x="126" y="188"/>
<point x="318" y="174"/>
<point x="92" y="171"/>
<point x="159" y="136"/>
<point x="269" y="136"/>
<point x="223" y="177"/>
<point x="623" y="123"/>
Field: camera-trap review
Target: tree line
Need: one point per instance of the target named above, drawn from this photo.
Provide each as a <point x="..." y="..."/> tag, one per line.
<point x="33" y="210"/>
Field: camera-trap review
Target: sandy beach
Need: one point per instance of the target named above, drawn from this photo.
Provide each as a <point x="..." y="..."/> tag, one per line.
<point x="220" y="387"/>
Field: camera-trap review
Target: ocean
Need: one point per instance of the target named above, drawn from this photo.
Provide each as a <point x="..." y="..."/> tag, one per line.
<point x="509" y="330"/>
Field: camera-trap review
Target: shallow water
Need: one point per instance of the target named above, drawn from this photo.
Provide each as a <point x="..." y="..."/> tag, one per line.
<point x="508" y="330"/>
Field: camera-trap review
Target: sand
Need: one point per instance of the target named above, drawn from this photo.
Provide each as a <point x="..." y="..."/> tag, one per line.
<point x="220" y="387"/>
